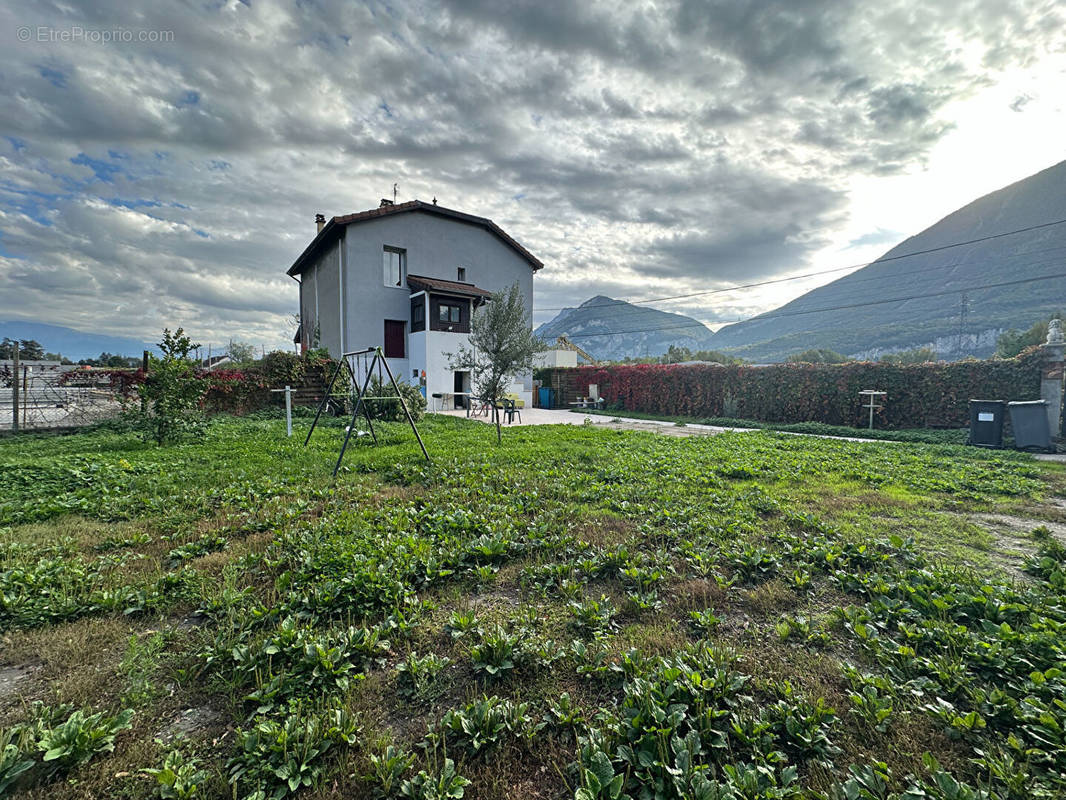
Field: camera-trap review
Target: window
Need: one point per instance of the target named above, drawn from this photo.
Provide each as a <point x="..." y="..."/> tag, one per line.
<point x="394" y="261"/>
<point x="394" y="338"/>
<point x="462" y="274"/>
<point x="449" y="313"/>
<point x="418" y="315"/>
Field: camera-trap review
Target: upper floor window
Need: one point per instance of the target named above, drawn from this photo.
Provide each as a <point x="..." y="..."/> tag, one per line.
<point x="449" y="313"/>
<point x="462" y="275"/>
<point x="394" y="261"/>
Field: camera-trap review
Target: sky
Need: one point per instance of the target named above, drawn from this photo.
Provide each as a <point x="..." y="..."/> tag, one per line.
<point x="161" y="164"/>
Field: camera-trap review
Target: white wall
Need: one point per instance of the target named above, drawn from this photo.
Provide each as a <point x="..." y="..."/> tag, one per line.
<point x="557" y="358"/>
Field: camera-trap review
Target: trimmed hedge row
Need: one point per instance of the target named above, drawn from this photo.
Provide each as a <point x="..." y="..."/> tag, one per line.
<point x="933" y="395"/>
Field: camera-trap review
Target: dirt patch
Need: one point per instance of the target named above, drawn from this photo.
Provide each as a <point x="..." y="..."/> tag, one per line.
<point x="13" y="680"/>
<point x="196" y="722"/>
<point x="1014" y="539"/>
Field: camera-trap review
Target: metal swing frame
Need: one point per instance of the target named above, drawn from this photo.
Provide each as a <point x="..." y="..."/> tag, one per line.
<point x="378" y="361"/>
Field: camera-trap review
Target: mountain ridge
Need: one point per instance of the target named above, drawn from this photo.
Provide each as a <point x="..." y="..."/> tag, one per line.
<point x="615" y="329"/>
<point x="944" y="299"/>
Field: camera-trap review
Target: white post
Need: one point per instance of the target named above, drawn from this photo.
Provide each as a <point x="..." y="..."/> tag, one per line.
<point x="288" y="411"/>
<point x="1051" y="376"/>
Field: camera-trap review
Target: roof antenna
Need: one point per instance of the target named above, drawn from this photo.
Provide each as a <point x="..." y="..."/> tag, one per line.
<point x="434" y="201"/>
<point x="394" y="194"/>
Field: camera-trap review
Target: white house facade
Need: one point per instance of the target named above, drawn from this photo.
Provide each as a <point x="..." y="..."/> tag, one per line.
<point x="407" y="277"/>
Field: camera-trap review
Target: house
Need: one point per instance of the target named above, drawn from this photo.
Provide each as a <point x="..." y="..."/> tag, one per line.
<point x="407" y="277"/>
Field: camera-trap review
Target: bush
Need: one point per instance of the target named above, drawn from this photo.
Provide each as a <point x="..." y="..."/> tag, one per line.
<point x="171" y="394"/>
<point x="281" y="368"/>
<point x="919" y="395"/>
<point x="234" y="391"/>
<point x="390" y="410"/>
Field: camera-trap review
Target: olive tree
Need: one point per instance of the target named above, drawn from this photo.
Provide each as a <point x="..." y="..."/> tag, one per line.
<point x="501" y="346"/>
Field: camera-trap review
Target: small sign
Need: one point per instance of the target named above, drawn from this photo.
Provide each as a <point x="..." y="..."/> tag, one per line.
<point x="986" y="416"/>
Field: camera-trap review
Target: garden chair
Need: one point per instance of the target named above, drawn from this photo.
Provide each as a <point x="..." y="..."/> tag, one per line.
<point x="510" y="409"/>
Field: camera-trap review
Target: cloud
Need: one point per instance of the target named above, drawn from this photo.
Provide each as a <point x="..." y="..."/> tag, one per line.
<point x="637" y="149"/>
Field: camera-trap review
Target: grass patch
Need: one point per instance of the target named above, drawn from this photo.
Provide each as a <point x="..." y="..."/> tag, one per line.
<point x="575" y="610"/>
<point x="913" y="435"/>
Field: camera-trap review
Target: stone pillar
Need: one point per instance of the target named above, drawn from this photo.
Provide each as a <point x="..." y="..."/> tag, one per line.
<point x="1051" y="377"/>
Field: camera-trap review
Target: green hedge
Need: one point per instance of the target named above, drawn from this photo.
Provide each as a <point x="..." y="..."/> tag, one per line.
<point x="933" y="395"/>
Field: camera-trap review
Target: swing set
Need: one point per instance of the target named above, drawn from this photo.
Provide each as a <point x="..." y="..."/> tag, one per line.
<point x="360" y="405"/>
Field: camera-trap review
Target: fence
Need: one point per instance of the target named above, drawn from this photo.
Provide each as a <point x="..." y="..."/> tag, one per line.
<point x="919" y="396"/>
<point x="44" y="403"/>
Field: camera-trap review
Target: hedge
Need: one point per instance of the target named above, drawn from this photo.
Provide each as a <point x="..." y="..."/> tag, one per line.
<point x="933" y="395"/>
<point x="232" y="391"/>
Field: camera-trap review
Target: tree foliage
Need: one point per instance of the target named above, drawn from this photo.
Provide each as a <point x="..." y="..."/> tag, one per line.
<point x="676" y="354"/>
<point x="29" y="349"/>
<point x="1011" y="342"/>
<point x="241" y="352"/>
<point x="502" y="345"/>
<point x="171" y="393"/>
<point x="817" y="356"/>
<point x="919" y="355"/>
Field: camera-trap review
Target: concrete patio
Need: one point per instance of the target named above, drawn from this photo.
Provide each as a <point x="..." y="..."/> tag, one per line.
<point x="561" y="416"/>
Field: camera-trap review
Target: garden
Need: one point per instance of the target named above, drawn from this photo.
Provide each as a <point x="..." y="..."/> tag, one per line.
<point x="573" y="613"/>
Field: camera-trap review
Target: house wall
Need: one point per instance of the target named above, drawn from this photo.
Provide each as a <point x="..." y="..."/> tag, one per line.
<point x="320" y="302"/>
<point x="436" y="247"/>
<point x="557" y="358"/>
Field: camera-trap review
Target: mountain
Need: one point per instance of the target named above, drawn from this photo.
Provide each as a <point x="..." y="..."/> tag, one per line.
<point x="73" y="344"/>
<point x="935" y="298"/>
<point x="614" y="329"/>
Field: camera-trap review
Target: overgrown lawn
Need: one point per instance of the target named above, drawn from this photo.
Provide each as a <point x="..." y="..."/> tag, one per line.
<point x="579" y="612"/>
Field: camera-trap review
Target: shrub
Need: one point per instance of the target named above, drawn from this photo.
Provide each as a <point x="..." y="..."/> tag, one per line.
<point x="180" y="778"/>
<point x="235" y="391"/>
<point x="919" y="395"/>
<point x="390" y="410"/>
<point x="277" y="758"/>
<point x="280" y="368"/>
<point x="170" y="395"/>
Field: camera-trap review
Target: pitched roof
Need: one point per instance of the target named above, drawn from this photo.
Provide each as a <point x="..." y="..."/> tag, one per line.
<point x="332" y="229"/>
<point x="441" y="285"/>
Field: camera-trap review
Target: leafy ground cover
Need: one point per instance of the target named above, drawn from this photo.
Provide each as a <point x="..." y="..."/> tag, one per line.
<point x="579" y="612"/>
<point x="913" y="435"/>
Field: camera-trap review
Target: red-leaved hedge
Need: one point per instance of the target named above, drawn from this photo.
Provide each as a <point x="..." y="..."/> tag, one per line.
<point x="919" y="396"/>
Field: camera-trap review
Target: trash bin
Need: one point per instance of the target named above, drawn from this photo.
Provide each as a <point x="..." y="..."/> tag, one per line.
<point x="547" y="397"/>
<point x="1028" y="419"/>
<point x="986" y="423"/>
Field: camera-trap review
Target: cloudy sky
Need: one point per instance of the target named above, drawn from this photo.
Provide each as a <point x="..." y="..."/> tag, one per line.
<point x="163" y="166"/>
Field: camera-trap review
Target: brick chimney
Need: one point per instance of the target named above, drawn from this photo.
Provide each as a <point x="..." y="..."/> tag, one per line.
<point x="320" y="221"/>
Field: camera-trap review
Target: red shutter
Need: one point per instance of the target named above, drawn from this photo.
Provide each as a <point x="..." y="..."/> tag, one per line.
<point x="394" y="336"/>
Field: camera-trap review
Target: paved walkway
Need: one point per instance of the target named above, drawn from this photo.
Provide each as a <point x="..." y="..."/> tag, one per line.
<point x="560" y="416"/>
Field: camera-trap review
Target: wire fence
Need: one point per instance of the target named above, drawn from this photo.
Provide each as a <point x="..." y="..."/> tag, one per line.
<point x="43" y="403"/>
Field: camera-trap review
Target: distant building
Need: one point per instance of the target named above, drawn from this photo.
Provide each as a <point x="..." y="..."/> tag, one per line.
<point x="408" y="278"/>
<point x="37" y="371"/>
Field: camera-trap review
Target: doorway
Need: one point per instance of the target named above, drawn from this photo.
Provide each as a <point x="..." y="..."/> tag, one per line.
<point x="461" y="385"/>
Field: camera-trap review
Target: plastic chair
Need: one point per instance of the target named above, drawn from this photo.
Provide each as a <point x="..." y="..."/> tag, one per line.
<point x="510" y="408"/>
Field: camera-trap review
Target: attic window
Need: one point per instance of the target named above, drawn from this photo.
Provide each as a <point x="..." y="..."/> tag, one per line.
<point x="462" y="275"/>
<point x="394" y="261"/>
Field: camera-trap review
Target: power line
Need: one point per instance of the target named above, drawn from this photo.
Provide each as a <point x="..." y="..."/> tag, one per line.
<point x="821" y="272"/>
<point x="831" y="308"/>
